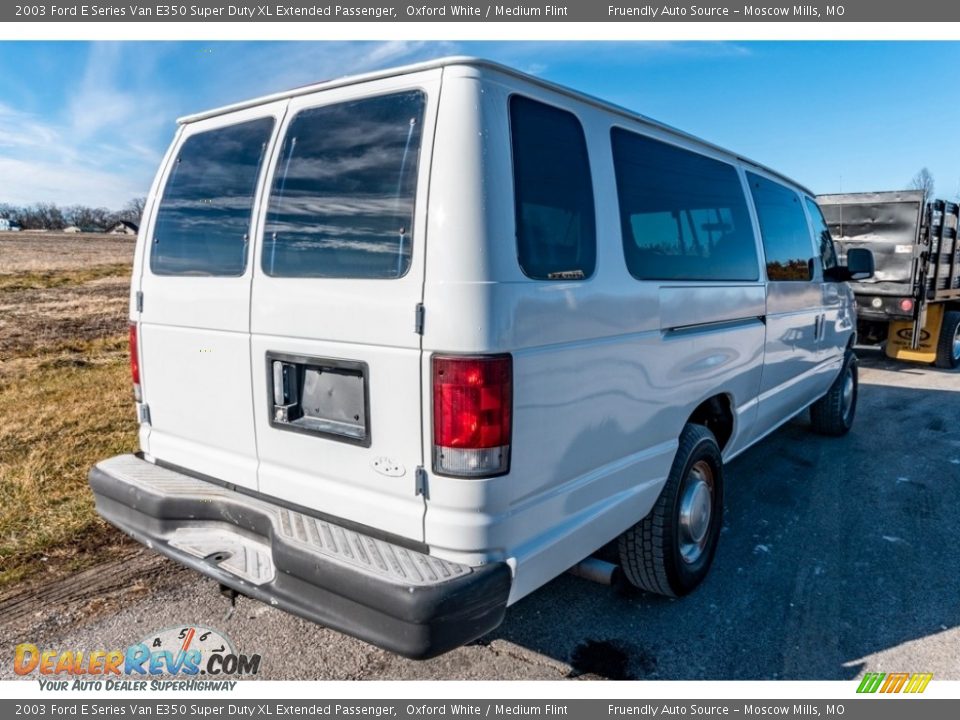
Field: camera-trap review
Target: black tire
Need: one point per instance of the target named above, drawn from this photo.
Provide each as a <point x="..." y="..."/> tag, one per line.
<point x="948" y="349"/>
<point x="833" y="414"/>
<point x="657" y="554"/>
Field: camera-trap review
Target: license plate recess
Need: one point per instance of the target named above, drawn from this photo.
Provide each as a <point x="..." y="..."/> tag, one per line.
<point x="319" y="396"/>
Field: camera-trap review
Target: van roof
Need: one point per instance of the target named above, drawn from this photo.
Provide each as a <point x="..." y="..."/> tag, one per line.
<point x="490" y="65"/>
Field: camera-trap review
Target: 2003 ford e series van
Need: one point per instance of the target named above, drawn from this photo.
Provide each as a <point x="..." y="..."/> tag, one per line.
<point x="405" y="346"/>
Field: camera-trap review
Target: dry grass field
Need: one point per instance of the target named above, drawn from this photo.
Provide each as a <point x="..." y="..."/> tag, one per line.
<point x="65" y="395"/>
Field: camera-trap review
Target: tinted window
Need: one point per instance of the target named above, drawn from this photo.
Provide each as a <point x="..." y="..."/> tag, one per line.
<point x="683" y="216"/>
<point x="783" y="227"/>
<point x="204" y="217"/>
<point x="343" y="194"/>
<point x="553" y="194"/>
<point x="821" y="235"/>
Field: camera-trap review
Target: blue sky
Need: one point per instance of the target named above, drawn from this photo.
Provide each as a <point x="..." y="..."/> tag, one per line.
<point x="87" y="123"/>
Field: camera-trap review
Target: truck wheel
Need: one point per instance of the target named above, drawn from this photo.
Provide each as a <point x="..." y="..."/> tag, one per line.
<point x="833" y="413"/>
<point x="948" y="349"/>
<point x="669" y="552"/>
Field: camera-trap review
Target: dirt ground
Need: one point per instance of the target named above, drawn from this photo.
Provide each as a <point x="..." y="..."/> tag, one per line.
<point x="837" y="558"/>
<point x="838" y="554"/>
<point x="65" y="397"/>
<point x="22" y="252"/>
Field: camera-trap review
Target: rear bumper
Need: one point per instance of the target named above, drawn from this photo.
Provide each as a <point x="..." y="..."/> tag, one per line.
<point x="391" y="596"/>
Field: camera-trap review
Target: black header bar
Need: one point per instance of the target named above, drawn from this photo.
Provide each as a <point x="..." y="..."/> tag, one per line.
<point x="391" y="11"/>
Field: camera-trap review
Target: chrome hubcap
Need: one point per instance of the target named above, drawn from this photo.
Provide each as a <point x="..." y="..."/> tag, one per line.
<point x="696" y="509"/>
<point x="956" y="343"/>
<point x="847" y="397"/>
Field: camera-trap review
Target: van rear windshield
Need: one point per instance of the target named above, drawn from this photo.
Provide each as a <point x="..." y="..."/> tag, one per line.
<point x="203" y="221"/>
<point x="343" y="192"/>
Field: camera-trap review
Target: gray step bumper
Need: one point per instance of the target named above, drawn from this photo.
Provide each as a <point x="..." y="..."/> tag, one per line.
<point x="392" y="596"/>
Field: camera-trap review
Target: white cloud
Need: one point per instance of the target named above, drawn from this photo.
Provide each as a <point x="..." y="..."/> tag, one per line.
<point x="37" y="180"/>
<point x="263" y="68"/>
<point x="101" y="144"/>
<point x="94" y="148"/>
<point x="21" y="130"/>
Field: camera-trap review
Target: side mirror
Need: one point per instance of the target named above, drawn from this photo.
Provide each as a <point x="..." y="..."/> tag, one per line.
<point x="860" y="263"/>
<point x="859" y="267"/>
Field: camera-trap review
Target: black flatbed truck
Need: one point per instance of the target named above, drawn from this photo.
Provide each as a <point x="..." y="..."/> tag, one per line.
<point x="912" y="302"/>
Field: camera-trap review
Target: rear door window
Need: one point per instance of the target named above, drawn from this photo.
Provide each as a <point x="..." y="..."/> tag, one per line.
<point x="683" y="215"/>
<point x="203" y="222"/>
<point x="342" y="201"/>
<point x="783" y="228"/>
<point x="553" y="192"/>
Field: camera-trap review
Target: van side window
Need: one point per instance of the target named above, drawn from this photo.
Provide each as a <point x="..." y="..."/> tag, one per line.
<point x="553" y="192"/>
<point x="683" y="216"/>
<point x="203" y="221"/>
<point x="783" y="227"/>
<point x="821" y="235"/>
<point x="343" y="194"/>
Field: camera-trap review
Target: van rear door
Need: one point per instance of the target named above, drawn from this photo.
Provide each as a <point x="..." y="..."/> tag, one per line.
<point x="338" y="281"/>
<point x="194" y="330"/>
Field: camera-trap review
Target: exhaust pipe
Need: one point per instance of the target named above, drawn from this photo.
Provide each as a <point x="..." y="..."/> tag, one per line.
<point x="596" y="570"/>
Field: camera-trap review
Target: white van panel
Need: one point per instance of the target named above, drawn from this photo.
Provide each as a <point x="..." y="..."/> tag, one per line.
<point x="599" y="395"/>
<point x="466" y="211"/>
<point x="689" y="306"/>
<point x="194" y="337"/>
<point x="606" y="369"/>
<point x="337" y="478"/>
<point x="369" y="321"/>
<point x="790" y="369"/>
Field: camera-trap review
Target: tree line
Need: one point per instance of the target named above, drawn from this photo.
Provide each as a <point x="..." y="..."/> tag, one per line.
<point x="50" y="216"/>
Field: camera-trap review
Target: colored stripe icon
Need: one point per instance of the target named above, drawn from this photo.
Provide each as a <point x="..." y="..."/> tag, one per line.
<point x="894" y="682"/>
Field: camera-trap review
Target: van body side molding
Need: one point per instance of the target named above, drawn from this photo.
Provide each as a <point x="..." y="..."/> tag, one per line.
<point x="683" y="306"/>
<point x="716" y="325"/>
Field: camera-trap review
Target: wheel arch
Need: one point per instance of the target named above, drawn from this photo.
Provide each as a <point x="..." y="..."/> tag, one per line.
<point x="716" y="414"/>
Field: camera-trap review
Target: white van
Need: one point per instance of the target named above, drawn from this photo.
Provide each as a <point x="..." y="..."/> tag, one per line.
<point x="408" y="345"/>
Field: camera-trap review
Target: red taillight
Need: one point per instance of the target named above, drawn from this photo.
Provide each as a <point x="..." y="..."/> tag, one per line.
<point x="472" y="409"/>
<point x="134" y="361"/>
<point x="906" y="305"/>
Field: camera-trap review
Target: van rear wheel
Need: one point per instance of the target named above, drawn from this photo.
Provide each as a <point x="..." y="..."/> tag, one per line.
<point x="833" y="413"/>
<point x="948" y="348"/>
<point x="670" y="551"/>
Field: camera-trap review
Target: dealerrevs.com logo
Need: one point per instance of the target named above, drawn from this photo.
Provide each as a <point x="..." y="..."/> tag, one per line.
<point x="179" y="658"/>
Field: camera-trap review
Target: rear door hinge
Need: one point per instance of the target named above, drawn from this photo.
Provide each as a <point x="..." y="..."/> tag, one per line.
<point x="145" y="413"/>
<point x="139" y="300"/>
<point x="420" y="478"/>
<point x="418" y="319"/>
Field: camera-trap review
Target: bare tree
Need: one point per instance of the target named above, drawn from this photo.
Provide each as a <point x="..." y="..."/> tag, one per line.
<point x="11" y="212"/>
<point x="45" y="216"/>
<point x="80" y="216"/>
<point x="49" y="216"/>
<point x="923" y="180"/>
<point x="133" y="210"/>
